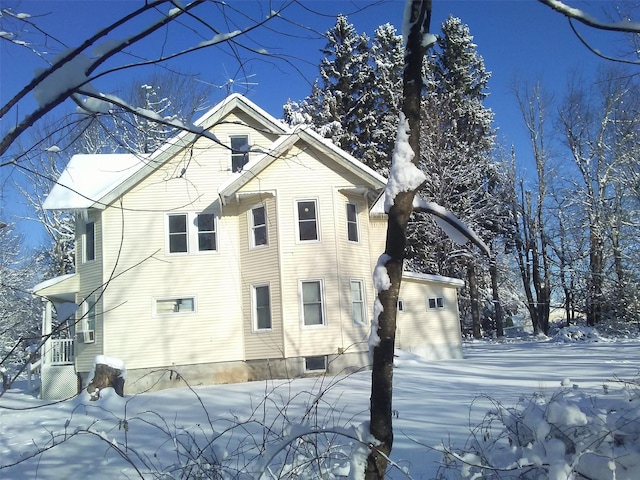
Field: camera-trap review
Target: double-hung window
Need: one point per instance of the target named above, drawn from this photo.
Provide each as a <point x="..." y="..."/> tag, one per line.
<point x="312" y="302"/>
<point x="258" y="226"/>
<point x="178" y="233"/>
<point x="206" y="223"/>
<point x="358" y="313"/>
<point x="352" y="222"/>
<point x="191" y="232"/>
<point x="307" y="220"/>
<point x="261" y="307"/>
<point x="239" y="152"/>
<point x="89" y="241"/>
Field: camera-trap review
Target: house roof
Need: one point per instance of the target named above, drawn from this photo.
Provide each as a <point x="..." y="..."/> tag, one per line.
<point x="94" y="181"/>
<point x="62" y="288"/>
<point x="429" y="278"/>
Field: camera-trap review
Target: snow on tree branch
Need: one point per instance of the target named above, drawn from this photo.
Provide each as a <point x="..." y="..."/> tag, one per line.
<point x="625" y="26"/>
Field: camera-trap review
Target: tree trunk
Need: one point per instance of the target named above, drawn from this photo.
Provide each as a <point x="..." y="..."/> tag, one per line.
<point x="105" y="376"/>
<point x="497" y="307"/>
<point x="473" y="294"/>
<point x="382" y="370"/>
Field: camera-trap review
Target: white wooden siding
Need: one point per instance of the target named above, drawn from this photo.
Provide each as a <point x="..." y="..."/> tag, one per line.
<point x="433" y="332"/>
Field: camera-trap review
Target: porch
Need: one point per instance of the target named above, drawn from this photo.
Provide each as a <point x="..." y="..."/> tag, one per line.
<point x="54" y="373"/>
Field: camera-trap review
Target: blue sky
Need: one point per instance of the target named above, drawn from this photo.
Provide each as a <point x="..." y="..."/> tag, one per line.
<point x="517" y="38"/>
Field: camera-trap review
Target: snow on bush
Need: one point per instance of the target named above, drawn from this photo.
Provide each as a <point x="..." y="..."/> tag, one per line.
<point x="569" y="436"/>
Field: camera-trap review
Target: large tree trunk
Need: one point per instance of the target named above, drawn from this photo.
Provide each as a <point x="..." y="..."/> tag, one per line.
<point x="473" y="295"/>
<point x="497" y="307"/>
<point x="382" y="371"/>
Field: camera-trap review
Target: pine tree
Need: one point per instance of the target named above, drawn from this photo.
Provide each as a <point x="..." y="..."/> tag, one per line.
<point x="340" y="106"/>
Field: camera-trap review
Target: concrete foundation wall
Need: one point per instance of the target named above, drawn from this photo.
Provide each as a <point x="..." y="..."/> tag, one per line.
<point x="144" y="380"/>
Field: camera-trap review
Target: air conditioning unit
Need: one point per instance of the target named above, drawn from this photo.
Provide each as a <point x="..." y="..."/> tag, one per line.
<point x="88" y="336"/>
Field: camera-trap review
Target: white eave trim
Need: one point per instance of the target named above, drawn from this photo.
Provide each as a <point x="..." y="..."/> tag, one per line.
<point x="427" y="277"/>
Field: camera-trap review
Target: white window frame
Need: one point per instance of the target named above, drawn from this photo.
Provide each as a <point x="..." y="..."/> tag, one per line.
<point x="87" y="325"/>
<point x="315" y="370"/>
<point x="362" y="302"/>
<point x="438" y="301"/>
<point x="192" y="233"/>
<point x="353" y="222"/>
<point x="85" y="242"/>
<point x="323" y="303"/>
<point x="233" y="154"/>
<point x="317" y="220"/>
<point x="254" y="307"/>
<point x="253" y="227"/>
<point x="401" y="306"/>
<point x="176" y="299"/>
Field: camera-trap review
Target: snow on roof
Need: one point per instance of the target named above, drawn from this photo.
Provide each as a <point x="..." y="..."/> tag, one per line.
<point x="456" y="282"/>
<point x="88" y="178"/>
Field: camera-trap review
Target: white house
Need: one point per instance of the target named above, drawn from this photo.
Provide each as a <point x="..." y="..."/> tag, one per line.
<point x="244" y="253"/>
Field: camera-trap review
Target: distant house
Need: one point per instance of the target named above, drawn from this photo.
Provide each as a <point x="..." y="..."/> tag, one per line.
<point x="238" y="255"/>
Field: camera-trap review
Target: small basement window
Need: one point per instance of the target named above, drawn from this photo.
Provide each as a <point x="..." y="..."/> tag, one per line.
<point x="315" y="364"/>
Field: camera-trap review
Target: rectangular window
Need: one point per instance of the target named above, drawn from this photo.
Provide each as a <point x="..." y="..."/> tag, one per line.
<point x="307" y="220"/>
<point x="315" y="364"/>
<point x="262" y="307"/>
<point x="178" y="235"/>
<point x="89" y="241"/>
<point x="239" y="152"/>
<point x="357" y="302"/>
<point x="206" y="232"/>
<point x="258" y="226"/>
<point x="352" y="222"/>
<point x="312" y="304"/>
<point x="190" y="232"/>
<point x="87" y="325"/>
<point x="437" y="302"/>
<point x="170" y="306"/>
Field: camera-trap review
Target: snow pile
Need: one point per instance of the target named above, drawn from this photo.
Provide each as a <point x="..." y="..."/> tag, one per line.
<point x="568" y="436"/>
<point x="576" y="333"/>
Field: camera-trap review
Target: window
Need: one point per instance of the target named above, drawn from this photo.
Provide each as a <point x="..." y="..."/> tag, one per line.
<point x="258" y="226"/>
<point x="239" y="152"/>
<point x="315" y="364"/>
<point x="437" y="302"/>
<point x="307" y="220"/>
<point x="400" y="305"/>
<point x="262" y="307"/>
<point x="206" y="232"/>
<point x="170" y="306"/>
<point x="89" y="241"/>
<point x="178" y="236"/>
<point x="87" y="324"/>
<point x="312" y="305"/>
<point x="357" y="302"/>
<point x="190" y="232"/>
<point x="352" y="222"/>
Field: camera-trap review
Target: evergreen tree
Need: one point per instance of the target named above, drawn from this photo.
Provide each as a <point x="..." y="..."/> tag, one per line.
<point x="388" y="59"/>
<point x="340" y="106"/>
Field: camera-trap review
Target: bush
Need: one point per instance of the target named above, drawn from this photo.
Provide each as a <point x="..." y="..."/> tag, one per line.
<point x="571" y="435"/>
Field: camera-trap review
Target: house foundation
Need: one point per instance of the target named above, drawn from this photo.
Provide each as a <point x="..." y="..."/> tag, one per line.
<point x="142" y="380"/>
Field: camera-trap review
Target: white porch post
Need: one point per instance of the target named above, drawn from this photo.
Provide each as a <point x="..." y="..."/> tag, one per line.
<point x="46" y="331"/>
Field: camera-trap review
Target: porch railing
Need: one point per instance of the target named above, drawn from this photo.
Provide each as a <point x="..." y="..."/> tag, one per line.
<point x="59" y="351"/>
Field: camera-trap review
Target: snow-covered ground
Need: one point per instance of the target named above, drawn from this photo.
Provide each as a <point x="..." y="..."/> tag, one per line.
<point x="569" y="387"/>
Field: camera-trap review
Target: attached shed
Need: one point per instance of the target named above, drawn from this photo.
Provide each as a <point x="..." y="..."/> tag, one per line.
<point x="428" y="319"/>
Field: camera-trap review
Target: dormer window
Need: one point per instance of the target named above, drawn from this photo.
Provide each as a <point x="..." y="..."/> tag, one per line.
<point x="239" y="152"/>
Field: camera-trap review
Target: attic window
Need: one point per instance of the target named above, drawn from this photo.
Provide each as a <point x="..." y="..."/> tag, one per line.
<point x="434" y="303"/>
<point x="239" y="152"/>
